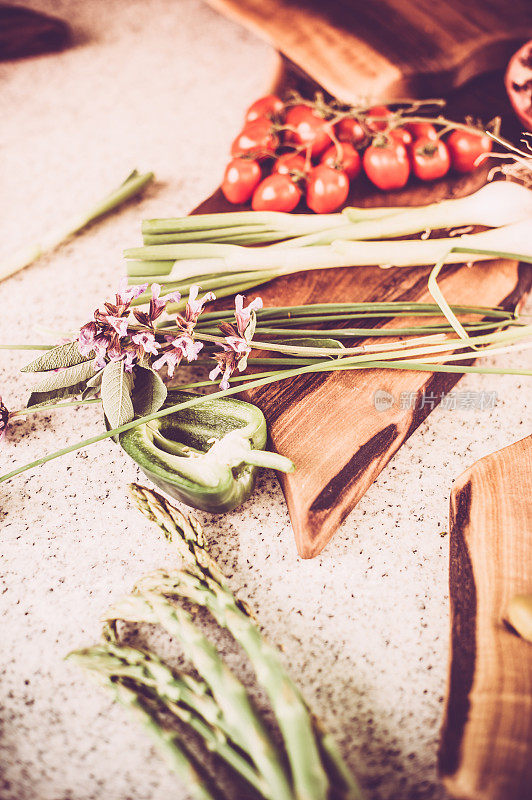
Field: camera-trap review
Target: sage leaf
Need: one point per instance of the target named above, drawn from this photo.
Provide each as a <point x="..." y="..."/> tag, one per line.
<point x="71" y="376"/>
<point x="50" y="398"/>
<point x="116" y="390"/>
<point x="65" y="355"/>
<point x="93" y="385"/>
<point x="149" y="392"/>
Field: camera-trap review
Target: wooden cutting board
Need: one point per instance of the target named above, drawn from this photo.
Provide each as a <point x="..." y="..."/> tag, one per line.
<point x="329" y="424"/>
<point x="485" y="751"/>
<point x="388" y="48"/>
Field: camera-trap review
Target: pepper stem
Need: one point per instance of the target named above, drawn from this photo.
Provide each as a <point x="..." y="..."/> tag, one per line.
<point x="269" y="460"/>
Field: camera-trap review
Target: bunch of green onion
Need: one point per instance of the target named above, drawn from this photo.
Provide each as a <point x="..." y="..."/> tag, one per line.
<point x="234" y="252"/>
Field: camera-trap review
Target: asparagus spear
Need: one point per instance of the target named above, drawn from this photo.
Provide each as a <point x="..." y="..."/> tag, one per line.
<point x="205" y="585"/>
<point x="244" y="724"/>
<point x="184" y="697"/>
<point x="167" y="740"/>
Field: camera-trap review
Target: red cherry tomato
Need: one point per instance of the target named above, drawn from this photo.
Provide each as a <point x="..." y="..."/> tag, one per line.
<point x="386" y="165"/>
<point x="401" y="135"/>
<point x="258" y="136"/>
<point x="288" y="163"/>
<point x="430" y="159"/>
<point x="465" y="148"/>
<point x="309" y="129"/>
<point x="276" y="193"/>
<point x="422" y="130"/>
<point x="349" y="130"/>
<point x="378" y="111"/>
<point x="241" y="178"/>
<point x="327" y="189"/>
<point x="269" y="106"/>
<point x="345" y="158"/>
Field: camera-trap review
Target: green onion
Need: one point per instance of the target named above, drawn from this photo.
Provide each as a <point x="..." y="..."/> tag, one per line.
<point x="510" y="241"/>
<point x="134" y="183"/>
<point x="496" y="204"/>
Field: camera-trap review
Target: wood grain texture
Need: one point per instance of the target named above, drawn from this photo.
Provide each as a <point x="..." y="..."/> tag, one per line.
<point x="487" y="732"/>
<point x="388" y="48"/>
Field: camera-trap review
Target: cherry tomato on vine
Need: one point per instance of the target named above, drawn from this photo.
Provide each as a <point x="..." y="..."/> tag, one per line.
<point x="379" y="124"/>
<point x="401" y="135"/>
<point x="349" y="130"/>
<point x="345" y="157"/>
<point x="422" y="130"/>
<point x="268" y="106"/>
<point x="258" y="136"/>
<point x="276" y="193"/>
<point x="241" y="178"/>
<point x="386" y="164"/>
<point x="465" y="148"/>
<point x="327" y="189"/>
<point x="289" y="162"/>
<point x="309" y="129"/>
<point x="430" y="159"/>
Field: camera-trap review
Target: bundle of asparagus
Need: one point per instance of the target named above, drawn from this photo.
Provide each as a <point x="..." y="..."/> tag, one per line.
<point x="215" y="706"/>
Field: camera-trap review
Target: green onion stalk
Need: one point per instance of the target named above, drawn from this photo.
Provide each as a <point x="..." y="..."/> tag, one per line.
<point x="495" y="204"/>
<point x="133" y="185"/>
<point x="234" y="267"/>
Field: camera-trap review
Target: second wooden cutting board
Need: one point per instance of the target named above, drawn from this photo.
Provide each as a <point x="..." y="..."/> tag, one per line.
<point x="388" y="48"/>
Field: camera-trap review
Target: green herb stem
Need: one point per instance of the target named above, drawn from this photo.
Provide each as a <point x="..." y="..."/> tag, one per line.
<point x="26" y="346"/>
<point x="52" y="407"/>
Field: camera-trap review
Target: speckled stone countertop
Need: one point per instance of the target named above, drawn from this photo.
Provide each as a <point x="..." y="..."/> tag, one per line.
<point x="364" y="627"/>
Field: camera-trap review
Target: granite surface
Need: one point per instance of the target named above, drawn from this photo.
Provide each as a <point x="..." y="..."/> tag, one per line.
<point x="364" y="627"/>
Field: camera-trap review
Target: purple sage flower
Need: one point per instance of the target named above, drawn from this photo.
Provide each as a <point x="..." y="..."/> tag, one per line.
<point x="243" y="315"/>
<point x="146" y="341"/>
<point x="86" y="338"/>
<point x="234" y="356"/>
<point x="126" y="294"/>
<point x="119" y="324"/>
<point x="177" y="349"/>
<point x="157" y="306"/>
<point x="194" y="306"/>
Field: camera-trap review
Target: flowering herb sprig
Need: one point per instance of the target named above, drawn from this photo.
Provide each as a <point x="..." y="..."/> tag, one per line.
<point x="116" y="355"/>
<point x="183" y="345"/>
<point x="236" y="347"/>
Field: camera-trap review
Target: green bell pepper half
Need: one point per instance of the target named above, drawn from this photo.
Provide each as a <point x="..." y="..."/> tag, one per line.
<point x="206" y="456"/>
